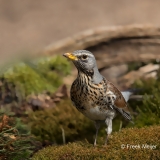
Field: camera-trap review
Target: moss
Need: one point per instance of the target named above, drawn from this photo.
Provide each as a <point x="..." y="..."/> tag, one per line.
<point x="148" y="110"/>
<point x="132" y="136"/>
<point x="50" y="123"/>
<point x="34" y="77"/>
<point x="15" y="142"/>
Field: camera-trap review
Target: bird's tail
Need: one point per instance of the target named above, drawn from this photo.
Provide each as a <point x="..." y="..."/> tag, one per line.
<point x="126" y="94"/>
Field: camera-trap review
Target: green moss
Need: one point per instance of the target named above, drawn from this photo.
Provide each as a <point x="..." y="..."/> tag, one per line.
<point x="50" y="123"/>
<point x="53" y="69"/>
<point x="148" y="110"/>
<point x="132" y="136"/>
<point x="34" y="77"/>
<point x="26" y="80"/>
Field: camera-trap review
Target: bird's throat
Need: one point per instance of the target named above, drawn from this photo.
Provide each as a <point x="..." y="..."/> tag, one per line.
<point x="93" y="75"/>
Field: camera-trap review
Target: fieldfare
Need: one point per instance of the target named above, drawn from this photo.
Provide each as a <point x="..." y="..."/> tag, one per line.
<point x="93" y="95"/>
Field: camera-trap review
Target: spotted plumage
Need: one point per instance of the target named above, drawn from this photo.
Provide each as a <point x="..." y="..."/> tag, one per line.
<point x="93" y="95"/>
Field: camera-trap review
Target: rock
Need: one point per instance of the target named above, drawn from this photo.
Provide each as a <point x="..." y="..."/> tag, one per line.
<point x="149" y="68"/>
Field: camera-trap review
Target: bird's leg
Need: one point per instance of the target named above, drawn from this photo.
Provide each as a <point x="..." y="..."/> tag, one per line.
<point x="97" y="125"/>
<point x="108" y="122"/>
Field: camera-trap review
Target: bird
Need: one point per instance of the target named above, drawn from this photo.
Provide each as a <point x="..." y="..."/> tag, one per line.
<point x="95" y="96"/>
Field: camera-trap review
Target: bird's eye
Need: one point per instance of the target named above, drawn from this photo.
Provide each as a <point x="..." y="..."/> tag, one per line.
<point x="84" y="56"/>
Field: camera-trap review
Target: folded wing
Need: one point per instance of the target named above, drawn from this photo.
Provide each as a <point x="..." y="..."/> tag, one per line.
<point x="120" y="102"/>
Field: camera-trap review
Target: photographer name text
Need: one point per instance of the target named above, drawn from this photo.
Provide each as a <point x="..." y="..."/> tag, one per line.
<point x="138" y="146"/>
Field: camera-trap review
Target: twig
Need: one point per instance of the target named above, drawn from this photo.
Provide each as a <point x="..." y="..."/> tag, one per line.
<point x="63" y="136"/>
<point x="138" y="97"/>
<point x="120" y="126"/>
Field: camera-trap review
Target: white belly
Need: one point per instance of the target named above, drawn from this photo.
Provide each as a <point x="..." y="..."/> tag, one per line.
<point x="96" y="114"/>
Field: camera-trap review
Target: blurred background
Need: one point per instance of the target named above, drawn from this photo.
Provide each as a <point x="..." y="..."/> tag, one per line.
<point x="28" y="26"/>
<point x="35" y="106"/>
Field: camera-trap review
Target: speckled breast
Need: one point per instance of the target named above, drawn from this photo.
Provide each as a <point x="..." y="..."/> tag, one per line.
<point x="90" y="99"/>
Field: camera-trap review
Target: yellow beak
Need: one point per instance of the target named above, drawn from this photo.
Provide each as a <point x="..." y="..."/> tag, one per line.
<point x="70" y="56"/>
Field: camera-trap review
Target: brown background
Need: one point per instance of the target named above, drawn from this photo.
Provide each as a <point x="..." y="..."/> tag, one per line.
<point x="28" y="26"/>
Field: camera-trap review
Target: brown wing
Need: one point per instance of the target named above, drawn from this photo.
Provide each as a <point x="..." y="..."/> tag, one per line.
<point x="119" y="104"/>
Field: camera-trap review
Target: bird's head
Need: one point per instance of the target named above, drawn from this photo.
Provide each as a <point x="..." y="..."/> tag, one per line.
<point x="83" y="60"/>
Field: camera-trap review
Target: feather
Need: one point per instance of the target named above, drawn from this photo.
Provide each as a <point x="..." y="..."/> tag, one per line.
<point x="126" y="94"/>
<point x="124" y="113"/>
<point x="120" y="103"/>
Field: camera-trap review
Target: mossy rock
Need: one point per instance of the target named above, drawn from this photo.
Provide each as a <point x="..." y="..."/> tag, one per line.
<point x="34" y="77"/>
<point x="143" y="143"/>
<point x="48" y="124"/>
